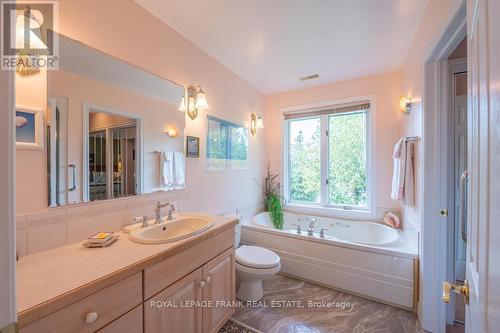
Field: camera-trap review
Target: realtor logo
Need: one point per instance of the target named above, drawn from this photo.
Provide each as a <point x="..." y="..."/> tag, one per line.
<point x="28" y="41"/>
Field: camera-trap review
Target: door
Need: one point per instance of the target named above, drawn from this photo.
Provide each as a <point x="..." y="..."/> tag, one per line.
<point x="219" y="278"/>
<point x="176" y="308"/>
<point x="460" y="165"/>
<point x="483" y="220"/>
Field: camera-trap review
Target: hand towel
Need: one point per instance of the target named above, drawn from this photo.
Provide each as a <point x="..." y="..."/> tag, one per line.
<point x="166" y="168"/>
<point x="403" y="182"/>
<point x="409" y="188"/>
<point x="397" y="179"/>
<point x="179" y="169"/>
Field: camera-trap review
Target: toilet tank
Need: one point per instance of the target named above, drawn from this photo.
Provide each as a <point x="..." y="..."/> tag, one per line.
<point x="237" y="229"/>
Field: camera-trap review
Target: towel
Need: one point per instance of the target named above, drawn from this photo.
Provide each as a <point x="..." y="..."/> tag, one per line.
<point x="397" y="179"/>
<point x="403" y="183"/>
<point x="166" y="168"/>
<point x="179" y="169"/>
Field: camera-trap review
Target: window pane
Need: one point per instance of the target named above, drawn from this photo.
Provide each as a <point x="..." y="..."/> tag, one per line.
<point x="347" y="159"/>
<point x="305" y="155"/>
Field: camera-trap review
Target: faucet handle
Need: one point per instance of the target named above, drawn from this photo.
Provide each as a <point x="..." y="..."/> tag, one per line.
<point x="144" y="219"/>
<point x="299" y="230"/>
<point x="322" y="232"/>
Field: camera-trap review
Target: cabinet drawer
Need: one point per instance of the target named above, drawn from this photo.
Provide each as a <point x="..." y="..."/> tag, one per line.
<point x="109" y="304"/>
<point x="166" y="272"/>
<point x="131" y="322"/>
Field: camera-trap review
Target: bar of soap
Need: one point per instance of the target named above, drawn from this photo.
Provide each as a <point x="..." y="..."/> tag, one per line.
<point x="100" y="237"/>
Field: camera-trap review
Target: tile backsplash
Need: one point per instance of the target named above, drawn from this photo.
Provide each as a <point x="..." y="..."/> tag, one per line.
<point x="56" y="227"/>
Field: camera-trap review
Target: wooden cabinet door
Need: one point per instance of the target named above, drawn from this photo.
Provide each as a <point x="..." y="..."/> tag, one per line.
<point x="219" y="290"/>
<point x="173" y="310"/>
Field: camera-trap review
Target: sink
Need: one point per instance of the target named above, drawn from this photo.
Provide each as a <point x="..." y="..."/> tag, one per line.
<point x="171" y="231"/>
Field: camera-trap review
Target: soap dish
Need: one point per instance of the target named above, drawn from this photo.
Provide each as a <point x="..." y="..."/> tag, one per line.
<point x="104" y="244"/>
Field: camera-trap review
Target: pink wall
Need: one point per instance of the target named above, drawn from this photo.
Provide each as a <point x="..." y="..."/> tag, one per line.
<point x="436" y="18"/>
<point x="159" y="49"/>
<point x="387" y="89"/>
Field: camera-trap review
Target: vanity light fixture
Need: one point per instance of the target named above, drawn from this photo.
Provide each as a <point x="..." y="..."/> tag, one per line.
<point x="405" y="104"/>
<point x="256" y="123"/>
<point x="172" y="131"/>
<point x="26" y="22"/>
<point x="195" y="100"/>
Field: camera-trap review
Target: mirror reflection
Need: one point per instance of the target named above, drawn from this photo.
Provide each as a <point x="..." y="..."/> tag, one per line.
<point x="106" y="121"/>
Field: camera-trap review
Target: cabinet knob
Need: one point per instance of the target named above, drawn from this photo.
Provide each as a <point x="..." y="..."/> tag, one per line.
<point x="202" y="283"/>
<point x="91" y="317"/>
<point x="207" y="279"/>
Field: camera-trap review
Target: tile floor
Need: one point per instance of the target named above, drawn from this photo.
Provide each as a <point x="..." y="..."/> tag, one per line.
<point x="294" y="306"/>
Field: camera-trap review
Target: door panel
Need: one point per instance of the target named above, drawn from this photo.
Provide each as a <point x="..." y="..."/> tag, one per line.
<point x="172" y="310"/>
<point x="483" y="232"/>
<point x="219" y="275"/>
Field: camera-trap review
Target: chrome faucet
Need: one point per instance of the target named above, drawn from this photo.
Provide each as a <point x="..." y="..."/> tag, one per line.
<point x="310" y="229"/>
<point x="159" y="206"/>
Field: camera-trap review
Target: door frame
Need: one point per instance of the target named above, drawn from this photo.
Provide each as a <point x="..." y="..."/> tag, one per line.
<point x="435" y="180"/>
<point x="87" y="107"/>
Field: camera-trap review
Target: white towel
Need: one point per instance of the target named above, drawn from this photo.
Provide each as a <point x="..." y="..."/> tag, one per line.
<point x="179" y="169"/>
<point x="403" y="184"/>
<point x="397" y="180"/>
<point x="166" y="168"/>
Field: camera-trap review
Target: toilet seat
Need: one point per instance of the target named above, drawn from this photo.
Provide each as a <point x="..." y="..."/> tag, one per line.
<point x="256" y="257"/>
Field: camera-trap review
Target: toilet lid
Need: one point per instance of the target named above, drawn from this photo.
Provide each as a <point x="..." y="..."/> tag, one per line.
<point x="256" y="257"/>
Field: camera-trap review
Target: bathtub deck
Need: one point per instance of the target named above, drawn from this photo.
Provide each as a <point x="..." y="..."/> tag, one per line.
<point x="288" y="310"/>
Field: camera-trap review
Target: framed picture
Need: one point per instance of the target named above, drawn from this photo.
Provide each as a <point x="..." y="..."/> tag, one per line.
<point x="192" y="146"/>
<point x="29" y="128"/>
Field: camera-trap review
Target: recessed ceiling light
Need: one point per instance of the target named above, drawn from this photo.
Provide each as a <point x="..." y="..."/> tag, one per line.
<point x="309" y="77"/>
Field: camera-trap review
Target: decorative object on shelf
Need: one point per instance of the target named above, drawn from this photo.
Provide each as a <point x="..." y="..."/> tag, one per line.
<point x="272" y="189"/>
<point x="172" y="131"/>
<point x="391" y="220"/>
<point x="192" y="146"/>
<point x="29" y="128"/>
<point x="256" y="123"/>
<point x="195" y="100"/>
<point x="405" y="104"/>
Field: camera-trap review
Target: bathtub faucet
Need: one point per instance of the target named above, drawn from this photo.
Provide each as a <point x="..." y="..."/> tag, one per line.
<point x="310" y="229"/>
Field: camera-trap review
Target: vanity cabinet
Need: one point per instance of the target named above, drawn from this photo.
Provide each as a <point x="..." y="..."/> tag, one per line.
<point x="191" y="290"/>
<point x="198" y="303"/>
<point x="92" y="312"/>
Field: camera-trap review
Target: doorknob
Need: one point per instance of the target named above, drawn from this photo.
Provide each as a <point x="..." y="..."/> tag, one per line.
<point x="458" y="289"/>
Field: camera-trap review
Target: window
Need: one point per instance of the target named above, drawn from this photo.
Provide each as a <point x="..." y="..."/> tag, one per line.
<point x="327" y="157"/>
<point x="227" y="145"/>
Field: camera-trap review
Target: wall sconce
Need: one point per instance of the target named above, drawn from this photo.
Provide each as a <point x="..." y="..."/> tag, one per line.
<point x="256" y="123"/>
<point x="194" y="101"/>
<point x="26" y="40"/>
<point x="405" y="104"/>
<point x="172" y="131"/>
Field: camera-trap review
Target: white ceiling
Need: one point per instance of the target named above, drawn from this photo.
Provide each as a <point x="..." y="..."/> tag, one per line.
<point x="271" y="43"/>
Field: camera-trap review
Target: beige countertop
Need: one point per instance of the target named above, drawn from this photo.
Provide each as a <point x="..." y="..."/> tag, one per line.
<point x="64" y="274"/>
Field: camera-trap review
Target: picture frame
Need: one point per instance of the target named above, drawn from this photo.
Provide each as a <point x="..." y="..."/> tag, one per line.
<point x="192" y="146"/>
<point x="29" y="128"/>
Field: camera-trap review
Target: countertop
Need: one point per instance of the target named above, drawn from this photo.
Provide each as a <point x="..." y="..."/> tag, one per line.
<point x="73" y="271"/>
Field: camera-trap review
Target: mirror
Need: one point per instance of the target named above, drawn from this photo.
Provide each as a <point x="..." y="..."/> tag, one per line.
<point x="106" y="124"/>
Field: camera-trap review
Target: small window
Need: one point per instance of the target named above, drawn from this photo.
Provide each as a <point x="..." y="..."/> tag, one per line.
<point x="227" y="145"/>
<point x="327" y="158"/>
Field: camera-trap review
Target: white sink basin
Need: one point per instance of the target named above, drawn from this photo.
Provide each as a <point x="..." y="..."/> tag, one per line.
<point x="171" y="231"/>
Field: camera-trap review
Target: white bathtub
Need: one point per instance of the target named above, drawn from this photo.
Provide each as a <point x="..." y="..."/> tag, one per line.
<point x="365" y="258"/>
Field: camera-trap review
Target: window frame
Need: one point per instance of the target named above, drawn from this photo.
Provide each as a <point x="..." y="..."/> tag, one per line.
<point x="325" y="208"/>
<point x="229" y="162"/>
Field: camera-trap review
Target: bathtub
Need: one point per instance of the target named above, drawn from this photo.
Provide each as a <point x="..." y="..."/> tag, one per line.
<point x="365" y="258"/>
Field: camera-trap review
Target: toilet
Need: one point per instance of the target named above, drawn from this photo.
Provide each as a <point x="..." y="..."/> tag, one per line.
<point x="253" y="265"/>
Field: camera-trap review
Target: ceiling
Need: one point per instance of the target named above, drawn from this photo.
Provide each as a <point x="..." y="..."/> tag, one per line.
<point x="271" y="44"/>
